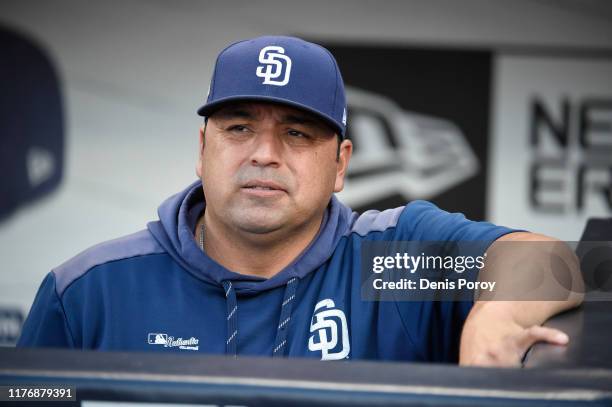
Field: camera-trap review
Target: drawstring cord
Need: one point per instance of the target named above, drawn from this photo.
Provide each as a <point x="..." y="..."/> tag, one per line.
<point x="280" y="343"/>
<point x="232" y="318"/>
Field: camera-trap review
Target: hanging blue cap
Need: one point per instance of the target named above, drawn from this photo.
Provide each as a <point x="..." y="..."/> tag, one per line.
<point x="280" y="69"/>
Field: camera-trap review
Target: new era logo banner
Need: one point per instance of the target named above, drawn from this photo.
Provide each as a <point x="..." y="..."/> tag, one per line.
<point x="419" y="122"/>
<point x="553" y="150"/>
<point x="523" y="139"/>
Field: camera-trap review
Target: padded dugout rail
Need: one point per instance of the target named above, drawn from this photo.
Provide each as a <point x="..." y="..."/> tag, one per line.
<point x="213" y="380"/>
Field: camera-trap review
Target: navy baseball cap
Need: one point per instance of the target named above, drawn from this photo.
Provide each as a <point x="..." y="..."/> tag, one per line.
<point x="279" y="69"/>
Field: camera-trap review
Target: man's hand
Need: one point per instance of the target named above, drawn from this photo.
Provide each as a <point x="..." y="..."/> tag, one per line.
<point x="492" y="337"/>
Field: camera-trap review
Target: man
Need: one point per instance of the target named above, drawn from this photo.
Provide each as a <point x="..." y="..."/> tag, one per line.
<point x="260" y="258"/>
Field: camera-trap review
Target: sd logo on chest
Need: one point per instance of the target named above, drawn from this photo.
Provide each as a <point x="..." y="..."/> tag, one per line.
<point x="329" y="331"/>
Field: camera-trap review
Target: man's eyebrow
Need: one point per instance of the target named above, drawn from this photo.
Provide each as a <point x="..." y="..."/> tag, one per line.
<point x="299" y="119"/>
<point x="234" y="112"/>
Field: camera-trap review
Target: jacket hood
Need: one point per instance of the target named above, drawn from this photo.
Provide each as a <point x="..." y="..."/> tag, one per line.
<point x="174" y="230"/>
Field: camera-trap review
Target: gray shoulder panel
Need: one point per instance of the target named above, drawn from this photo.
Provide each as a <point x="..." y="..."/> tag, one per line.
<point x="376" y="221"/>
<point x="137" y="244"/>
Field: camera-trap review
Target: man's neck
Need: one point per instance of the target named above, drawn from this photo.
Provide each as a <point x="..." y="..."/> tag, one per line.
<point x="256" y="255"/>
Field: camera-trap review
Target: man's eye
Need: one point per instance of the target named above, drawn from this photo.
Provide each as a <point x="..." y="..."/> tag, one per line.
<point x="296" y="133"/>
<point x="238" y="129"/>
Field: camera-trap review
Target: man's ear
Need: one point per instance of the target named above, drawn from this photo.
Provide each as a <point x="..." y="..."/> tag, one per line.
<point x="201" y="151"/>
<point x="346" y="150"/>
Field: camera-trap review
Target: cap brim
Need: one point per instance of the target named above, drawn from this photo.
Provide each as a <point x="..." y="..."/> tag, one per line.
<point x="209" y="108"/>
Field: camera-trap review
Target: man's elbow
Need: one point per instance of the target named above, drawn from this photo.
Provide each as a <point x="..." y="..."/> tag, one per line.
<point x="567" y="288"/>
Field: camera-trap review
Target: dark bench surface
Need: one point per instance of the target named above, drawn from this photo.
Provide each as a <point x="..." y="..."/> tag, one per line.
<point x="590" y="331"/>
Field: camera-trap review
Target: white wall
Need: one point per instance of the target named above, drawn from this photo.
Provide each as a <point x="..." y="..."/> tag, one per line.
<point x="134" y="72"/>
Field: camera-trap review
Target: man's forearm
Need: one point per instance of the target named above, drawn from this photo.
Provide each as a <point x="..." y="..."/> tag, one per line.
<point x="499" y="330"/>
<point x="523" y="313"/>
<point x="530" y="288"/>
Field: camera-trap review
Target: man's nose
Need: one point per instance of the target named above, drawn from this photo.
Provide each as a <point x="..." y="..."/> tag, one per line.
<point x="267" y="149"/>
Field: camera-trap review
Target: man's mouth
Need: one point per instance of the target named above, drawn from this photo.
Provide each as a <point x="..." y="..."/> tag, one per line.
<point x="263" y="186"/>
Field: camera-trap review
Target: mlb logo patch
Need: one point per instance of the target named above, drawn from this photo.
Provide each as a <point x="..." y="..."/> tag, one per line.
<point x="157" y="339"/>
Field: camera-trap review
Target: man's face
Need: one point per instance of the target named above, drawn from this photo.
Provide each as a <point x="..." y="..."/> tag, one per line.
<point x="269" y="168"/>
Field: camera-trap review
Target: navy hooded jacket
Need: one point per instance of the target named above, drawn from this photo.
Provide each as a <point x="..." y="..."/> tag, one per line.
<point x="155" y="290"/>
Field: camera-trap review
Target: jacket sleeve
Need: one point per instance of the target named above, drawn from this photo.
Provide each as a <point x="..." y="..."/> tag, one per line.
<point x="435" y="326"/>
<point x="46" y="324"/>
